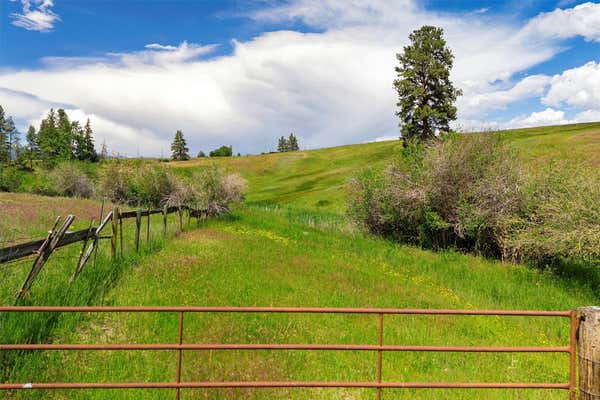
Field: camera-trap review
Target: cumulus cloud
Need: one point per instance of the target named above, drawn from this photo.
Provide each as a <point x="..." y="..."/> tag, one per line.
<point x="578" y="87"/>
<point x="330" y="87"/>
<point x="582" y="20"/>
<point x="549" y="116"/>
<point x="37" y="15"/>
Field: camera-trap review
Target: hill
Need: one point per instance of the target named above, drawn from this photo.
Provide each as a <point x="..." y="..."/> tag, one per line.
<point x="315" y="179"/>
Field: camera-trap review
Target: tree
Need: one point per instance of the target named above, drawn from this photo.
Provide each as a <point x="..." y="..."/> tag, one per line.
<point x="12" y="140"/>
<point x="426" y="95"/>
<point x="89" y="152"/>
<point x="103" y="151"/>
<point x="223" y="151"/>
<point x="282" y="145"/>
<point x="293" y="143"/>
<point x="4" y="155"/>
<point x="201" y="154"/>
<point x="179" y="151"/>
<point x="33" y="150"/>
<point x="65" y="138"/>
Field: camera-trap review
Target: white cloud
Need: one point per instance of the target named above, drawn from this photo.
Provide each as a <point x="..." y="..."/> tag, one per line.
<point x="578" y="87"/>
<point x="330" y="88"/>
<point x="549" y="116"/>
<point x="582" y="20"/>
<point x="37" y="15"/>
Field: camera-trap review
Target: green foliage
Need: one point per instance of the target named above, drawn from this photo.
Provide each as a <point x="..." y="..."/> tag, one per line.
<point x="473" y="193"/>
<point x="179" y="151"/>
<point x="223" y="151"/>
<point x="11" y="178"/>
<point x="201" y="154"/>
<point x="426" y="95"/>
<point x="69" y="179"/>
<point x="289" y="144"/>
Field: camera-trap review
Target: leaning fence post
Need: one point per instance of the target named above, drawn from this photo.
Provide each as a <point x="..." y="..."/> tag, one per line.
<point x="113" y="238"/>
<point x="180" y="211"/>
<point x="148" y="227"/>
<point x="138" y="226"/>
<point x="588" y="347"/>
<point x="165" y="213"/>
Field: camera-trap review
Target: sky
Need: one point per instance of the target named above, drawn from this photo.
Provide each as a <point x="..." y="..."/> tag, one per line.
<point x="245" y="72"/>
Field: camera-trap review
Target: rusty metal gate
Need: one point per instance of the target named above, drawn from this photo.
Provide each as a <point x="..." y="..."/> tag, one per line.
<point x="380" y="348"/>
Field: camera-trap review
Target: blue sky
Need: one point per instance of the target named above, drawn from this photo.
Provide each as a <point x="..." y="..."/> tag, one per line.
<point x="243" y="72"/>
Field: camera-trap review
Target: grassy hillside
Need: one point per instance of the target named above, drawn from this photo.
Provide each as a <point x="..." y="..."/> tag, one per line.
<point x="316" y="179"/>
<point x="262" y="258"/>
<point x="287" y="256"/>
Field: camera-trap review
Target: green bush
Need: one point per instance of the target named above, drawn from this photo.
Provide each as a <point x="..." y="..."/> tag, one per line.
<point x="11" y="179"/>
<point x="470" y="192"/>
<point x="68" y="179"/>
<point x="223" y="151"/>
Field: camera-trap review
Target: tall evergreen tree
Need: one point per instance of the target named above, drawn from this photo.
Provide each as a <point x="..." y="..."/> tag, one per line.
<point x="426" y="95"/>
<point x="12" y="139"/>
<point x="282" y="145"/>
<point x="33" y="149"/>
<point x="47" y="139"/>
<point x="65" y="136"/>
<point x="293" y="143"/>
<point x="179" y="151"/>
<point x="90" y="149"/>
<point x="79" y="148"/>
<point x="4" y="155"/>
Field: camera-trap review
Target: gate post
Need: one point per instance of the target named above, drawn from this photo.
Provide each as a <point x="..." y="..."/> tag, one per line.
<point x="588" y="347"/>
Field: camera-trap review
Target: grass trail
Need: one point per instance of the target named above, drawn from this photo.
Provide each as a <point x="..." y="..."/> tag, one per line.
<point x="263" y="259"/>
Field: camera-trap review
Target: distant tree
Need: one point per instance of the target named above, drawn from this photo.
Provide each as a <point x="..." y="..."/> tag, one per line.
<point x="223" y="151"/>
<point x="282" y="145"/>
<point x="13" y="140"/>
<point x="201" y="154"/>
<point x="179" y="151"/>
<point x="78" y="141"/>
<point x="47" y="139"/>
<point x="33" y="149"/>
<point x="103" y="151"/>
<point x="293" y="143"/>
<point x="426" y="95"/>
<point x="4" y="154"/>
<point x="65" y="138"/>
<point x="90" y="153"/>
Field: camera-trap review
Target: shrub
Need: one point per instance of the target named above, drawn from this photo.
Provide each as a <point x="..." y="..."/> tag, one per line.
<point x="115" y="181"/>
<point x="215" y="190"/>
<point x="67" y="179"/>
<point x="458" y="192"/>
<point x="223" y="151"/>
<point x="10" y="179"/>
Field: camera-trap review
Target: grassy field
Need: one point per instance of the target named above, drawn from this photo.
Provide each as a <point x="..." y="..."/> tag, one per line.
<point x="315" y="180"/>
<point x="262" y="258"/>
<point x="292" y="246"/>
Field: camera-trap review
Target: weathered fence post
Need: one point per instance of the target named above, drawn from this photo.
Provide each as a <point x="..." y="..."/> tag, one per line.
<point x="180" y="211"/>
<point x="121" y="233"/>
<point x="113" y="239"/>
<point x="588" y="347"/>
<point x="148" y="227"/>
<point x="138" y="226"/>
<point x="165" y="213"/>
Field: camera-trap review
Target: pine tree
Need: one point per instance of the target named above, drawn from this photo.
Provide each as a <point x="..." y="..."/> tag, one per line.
<point x="282" y="145"/>
<point x="426" y="95"/>
<point x="79" y="151"/>
<point x="293" y="143"/>
<point x="65" y="138"/>
<point x="179" y="151"/>
<point x="33" y="149"/>
<point x="12" y="139"/>
<point x="47" y="134"/>
<point x="90" y="148"/>
<point x="4" y="155"/>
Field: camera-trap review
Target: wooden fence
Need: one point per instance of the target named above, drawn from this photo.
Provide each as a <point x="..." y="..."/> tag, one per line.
<point x="60" y="236"/>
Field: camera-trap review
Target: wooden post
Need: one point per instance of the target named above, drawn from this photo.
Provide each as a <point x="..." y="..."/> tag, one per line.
<point x="113" y="239"/>
<point x="148" y="227"/>
<point x="588" y="347"/>
<point x="121" y="233"/>
<point x="165" y="212"/>
<point x="180" y="211"/>
<point x="138" y="226"/>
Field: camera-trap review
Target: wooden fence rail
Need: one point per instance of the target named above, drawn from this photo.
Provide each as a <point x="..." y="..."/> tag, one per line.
<point x="60" y="236"/>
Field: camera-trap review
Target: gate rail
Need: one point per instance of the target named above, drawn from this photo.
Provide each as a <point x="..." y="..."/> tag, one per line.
<point x="379" y="348"/>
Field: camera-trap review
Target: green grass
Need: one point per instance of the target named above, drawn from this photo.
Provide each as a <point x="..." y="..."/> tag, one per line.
<point x="293" y="246"/>
<point x="263" y="258"/>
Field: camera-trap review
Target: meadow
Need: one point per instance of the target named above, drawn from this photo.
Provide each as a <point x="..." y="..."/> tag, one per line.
<point x="291" y="245"/>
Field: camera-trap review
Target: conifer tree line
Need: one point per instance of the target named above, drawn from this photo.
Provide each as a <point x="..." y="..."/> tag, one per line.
<point x="57" y="139"/>
<point x="289" y="144"/>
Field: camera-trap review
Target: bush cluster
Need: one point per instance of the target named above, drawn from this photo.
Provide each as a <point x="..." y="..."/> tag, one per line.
<point x="472" y="193"/>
